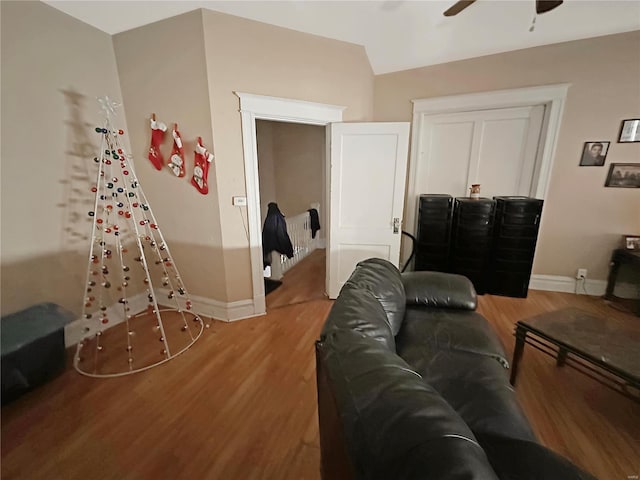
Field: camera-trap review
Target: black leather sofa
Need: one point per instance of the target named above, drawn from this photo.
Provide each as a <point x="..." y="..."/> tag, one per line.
<point x="412" y="384"/>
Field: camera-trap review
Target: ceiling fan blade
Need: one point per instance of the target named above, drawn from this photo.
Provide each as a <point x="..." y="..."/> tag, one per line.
<point x="543" y="6"/>
<point x="457" y="7"/>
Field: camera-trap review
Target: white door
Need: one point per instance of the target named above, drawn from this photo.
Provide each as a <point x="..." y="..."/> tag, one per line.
<point x="367" y="167"/>
<point x="495" y="148"/>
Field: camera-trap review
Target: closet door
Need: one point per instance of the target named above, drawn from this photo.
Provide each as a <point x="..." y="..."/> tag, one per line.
<point x="496" y="148"/>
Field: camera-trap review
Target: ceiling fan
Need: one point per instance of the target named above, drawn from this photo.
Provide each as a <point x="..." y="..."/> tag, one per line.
<point x="542" y="6"/>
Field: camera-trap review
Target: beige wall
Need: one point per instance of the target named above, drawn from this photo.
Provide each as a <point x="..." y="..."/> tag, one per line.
<point x="299" y="152"/>
<point x="247" y="56"/>
<point x="53" y="68"/>
<point x="190" y="77"/>
<point x="582" y="220"/>
<point x="291" y="160"/>
<point x="162" y="70"/>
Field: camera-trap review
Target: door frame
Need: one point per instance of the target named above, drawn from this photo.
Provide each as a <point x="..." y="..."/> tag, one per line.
<point x="552" y="96"/>
<point x="260" y="107"/>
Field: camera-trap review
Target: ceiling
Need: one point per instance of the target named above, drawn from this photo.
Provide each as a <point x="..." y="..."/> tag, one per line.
<point x="397" y="35"/>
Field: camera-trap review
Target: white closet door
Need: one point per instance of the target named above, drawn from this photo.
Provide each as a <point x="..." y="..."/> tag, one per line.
<point x="496" y="148"/>
<point x="506" y="155"/>
<point x="448" y="146"/>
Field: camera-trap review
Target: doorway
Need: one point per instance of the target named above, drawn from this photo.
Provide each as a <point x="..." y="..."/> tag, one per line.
<point x="291" y="165"/>
<point x="259" y="107"/>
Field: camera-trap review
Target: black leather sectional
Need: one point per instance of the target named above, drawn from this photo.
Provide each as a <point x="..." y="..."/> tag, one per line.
<point x="412" y="384"/>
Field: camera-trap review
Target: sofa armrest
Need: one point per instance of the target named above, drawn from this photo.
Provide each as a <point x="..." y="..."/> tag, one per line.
<point x="440" y="290"/>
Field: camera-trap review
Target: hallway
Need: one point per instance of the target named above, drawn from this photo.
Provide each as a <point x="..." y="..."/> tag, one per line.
<point x="303" y="283"/>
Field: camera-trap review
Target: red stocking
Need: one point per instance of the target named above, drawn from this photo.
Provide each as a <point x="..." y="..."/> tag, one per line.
<point x="176" y="162"/>
<point x="203" y="159"/>
<point x="157" y="135"/>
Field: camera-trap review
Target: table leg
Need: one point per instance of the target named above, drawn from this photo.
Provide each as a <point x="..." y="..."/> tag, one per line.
<point x="562" y="357"/>
<point x="611" y="280"/>
<point x="521" y="336"/>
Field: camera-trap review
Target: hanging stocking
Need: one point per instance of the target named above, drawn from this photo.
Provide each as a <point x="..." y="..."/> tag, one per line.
<point x="157" y="135"/>
<point x="203" y="159"/>
<point x="176" y="162"/>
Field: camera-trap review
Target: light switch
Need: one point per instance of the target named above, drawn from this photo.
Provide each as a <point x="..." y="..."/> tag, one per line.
<point x="240" y="201"/>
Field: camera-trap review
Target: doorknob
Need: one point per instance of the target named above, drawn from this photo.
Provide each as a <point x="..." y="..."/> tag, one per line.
<point x="396" y="225"/>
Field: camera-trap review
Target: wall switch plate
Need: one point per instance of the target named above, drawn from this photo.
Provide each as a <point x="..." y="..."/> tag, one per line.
<point x="240" y="201"/>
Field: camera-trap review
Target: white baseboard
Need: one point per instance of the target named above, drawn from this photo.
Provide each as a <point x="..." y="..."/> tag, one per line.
<point x="557" y="283"/>
<point x="225" y="311"/>
<point x="74" y="332"/>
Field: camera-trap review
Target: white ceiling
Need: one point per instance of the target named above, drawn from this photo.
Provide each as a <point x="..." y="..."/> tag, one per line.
<point x="397" y="35"/>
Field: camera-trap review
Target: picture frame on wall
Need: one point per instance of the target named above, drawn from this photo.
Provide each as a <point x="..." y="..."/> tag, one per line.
<point x="630" y="131"/>
<point x="631" y="242"/>
<point x="594" y="154"/>
<point x="623" y="175"/>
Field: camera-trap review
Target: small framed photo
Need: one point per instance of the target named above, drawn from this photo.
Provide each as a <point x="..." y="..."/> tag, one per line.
<point x="630" y="131"/>
<point x="594" y="154"/>
<point x="631" y="242"/>
<point x="623" y="175"/>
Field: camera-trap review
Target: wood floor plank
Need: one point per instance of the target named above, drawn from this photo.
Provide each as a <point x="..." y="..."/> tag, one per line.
<point x="304" y="282"/>
<point x="241" y="403"/>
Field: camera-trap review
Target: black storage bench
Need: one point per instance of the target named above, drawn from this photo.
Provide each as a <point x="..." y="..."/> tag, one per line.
<point x="32" y="348"/>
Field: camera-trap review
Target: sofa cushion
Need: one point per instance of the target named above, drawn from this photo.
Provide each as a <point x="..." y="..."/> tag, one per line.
<point x="359" y="310"/>
<point x="439" y="290"/>
<point x="514" y="459"/>
<point x="443" y="329"/>
<point x="477" y="387"/>
<point x="383" y="280"/>
<point x="395" y="424"/>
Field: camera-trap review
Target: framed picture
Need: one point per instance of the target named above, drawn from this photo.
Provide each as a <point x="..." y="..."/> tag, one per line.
<point x="623" y="175"/>
<point x="630" y="131"/>
<point x="631" y="242"/>
<point x="594" y="154"/>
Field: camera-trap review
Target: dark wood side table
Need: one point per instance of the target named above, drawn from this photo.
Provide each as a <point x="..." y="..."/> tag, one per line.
<point x="619" y="258"/>
<point x="603" y="349"/>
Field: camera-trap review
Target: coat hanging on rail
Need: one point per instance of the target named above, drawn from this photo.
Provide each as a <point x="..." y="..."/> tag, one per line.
<point x="274" y="235"/>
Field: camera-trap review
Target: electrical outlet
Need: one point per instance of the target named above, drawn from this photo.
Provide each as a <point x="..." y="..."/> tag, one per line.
<point x="582" y="273"/>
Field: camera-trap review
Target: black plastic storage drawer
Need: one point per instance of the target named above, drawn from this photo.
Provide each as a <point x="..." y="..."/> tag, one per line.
<point x="434" y="232"/>
<point x="472" y="237"/>
<point x="517" y="221"/>
<point x="519" y="205"/>
<point x="513" y="254"/>
<point x="521" y="231"/>
<point x="509" y="284"/>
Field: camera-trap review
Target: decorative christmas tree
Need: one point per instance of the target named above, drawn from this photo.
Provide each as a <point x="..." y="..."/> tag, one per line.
<point x="129" y="325"/>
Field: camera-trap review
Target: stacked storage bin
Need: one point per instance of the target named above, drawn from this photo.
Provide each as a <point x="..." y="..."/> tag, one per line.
<point x="434" y="232"/>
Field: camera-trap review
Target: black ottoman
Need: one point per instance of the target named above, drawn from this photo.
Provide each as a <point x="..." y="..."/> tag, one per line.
<point x="32" y="348"/>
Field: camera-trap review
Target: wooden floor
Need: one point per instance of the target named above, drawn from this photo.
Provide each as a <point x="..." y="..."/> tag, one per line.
<point x="241" y="404"/>
<point x="304" y="282"/>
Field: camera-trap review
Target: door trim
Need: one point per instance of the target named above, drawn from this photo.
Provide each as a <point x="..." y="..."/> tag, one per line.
<point x="552" y="96"/>
<point x="261" y="107"/>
